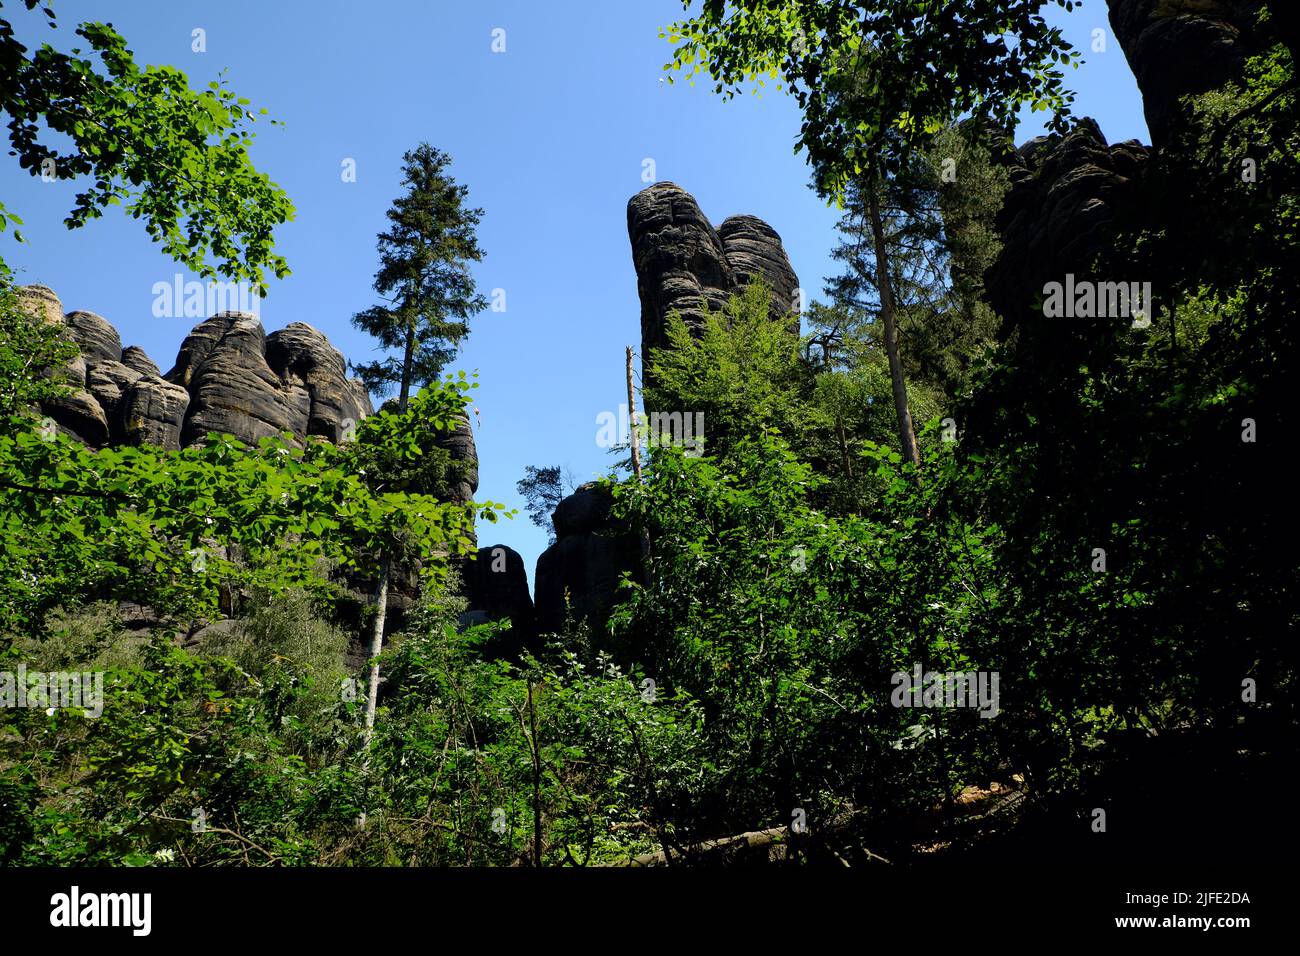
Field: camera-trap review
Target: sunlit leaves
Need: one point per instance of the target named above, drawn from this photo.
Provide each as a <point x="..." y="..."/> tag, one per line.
<point x="171" y="156"/>
<point x="875" y="78"/>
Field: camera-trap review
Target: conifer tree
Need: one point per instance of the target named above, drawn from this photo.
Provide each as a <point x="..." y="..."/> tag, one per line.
<point x="423" y="277"/>
<point x="429" y="296"/>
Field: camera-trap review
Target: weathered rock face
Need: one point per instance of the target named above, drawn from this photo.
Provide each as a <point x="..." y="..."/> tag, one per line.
<point x="679" y="260"/>
<point x="103" y="388"/>
<point x="229" y="376"/>
<point x="315" y="373"/>
<point x="1180" y="48"/>
<point x="245" y="383"/>
<point x="682" y="261"/>
<point x="582" y="569"/>
<point x="1066" y="193"/>
<point x="460" y="443"/>
<point x="682" y="264"/>
<point x="754" y="250"/>
<point x="222" y="365"/>
<point x="496" y="585"/>
<point x="134" y="357"/>
<point x="98" y="340"/>
<point x="152" y="413"/>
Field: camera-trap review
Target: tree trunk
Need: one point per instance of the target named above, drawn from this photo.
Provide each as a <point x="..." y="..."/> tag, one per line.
<point x="844" y="448"/>
<point x="403" y="396"/>
<point x="906" y="434"/>
<point x="631" y="412"/>
<point x="372" y="685"/>
<point x="636" y="465"/>
<point x="376" y="645"/>
<point x="537" y="776"/>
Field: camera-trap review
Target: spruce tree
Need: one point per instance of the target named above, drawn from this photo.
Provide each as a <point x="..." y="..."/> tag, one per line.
<point x="915" y="244"/>
<point x="423" y="277"/>
<point x="429" y="296"/>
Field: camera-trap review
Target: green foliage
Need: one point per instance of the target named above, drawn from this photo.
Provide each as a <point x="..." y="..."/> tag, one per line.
<point x="742" y="370"/>
<point x="877" y="78"/>
<point x="472" y="751"/>
<point x="31" y="352"/>
<point x="940" y="239"/>
<point x="253" y="759"/>
<point x="786" y="624"/>
<point x="174" y="157"/>
<point x="171" y="529"/>
<point x="543" y="490"/>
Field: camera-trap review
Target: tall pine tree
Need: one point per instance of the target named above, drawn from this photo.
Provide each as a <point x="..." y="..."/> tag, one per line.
<point x="423" y="277"/>
<point x="915" y="244"/>
<point x="429" y="296"/>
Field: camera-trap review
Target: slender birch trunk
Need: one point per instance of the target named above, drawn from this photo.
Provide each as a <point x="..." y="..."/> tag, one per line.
<point x="631" y="411"/>
<point x="376" y="646"/>
<point x="906" y="433"/>
<point x="636" y="464"/>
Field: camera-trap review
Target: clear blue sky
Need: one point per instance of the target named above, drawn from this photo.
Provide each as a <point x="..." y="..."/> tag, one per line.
<point x="549" y="136"/>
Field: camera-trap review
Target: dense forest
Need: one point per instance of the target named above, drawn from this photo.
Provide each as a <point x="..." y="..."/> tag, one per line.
<point x="981" y="553"/>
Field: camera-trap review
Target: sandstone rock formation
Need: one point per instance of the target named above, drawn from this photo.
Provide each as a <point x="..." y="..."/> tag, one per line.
<point x="246" y="383"/>
<point x="683" y="264"/>
<point x="1065" y="195"/>
<point x="682" y="261"/>
<point x="754" y="249"/>
<point x="111" y="401"/>
<point x="1180" y="48"/>
<point x="230" y="377"/>
<point x="1070" y="194"/>
<point x="679" y="260"/>
<point x="460" y="443"/>
<point x="496" y="586"/>
<point x="579" y="574"/>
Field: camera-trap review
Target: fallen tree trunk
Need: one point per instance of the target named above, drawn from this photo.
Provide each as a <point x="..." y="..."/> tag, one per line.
<point x="972" y="806"/>
<point x="770" y="845"/>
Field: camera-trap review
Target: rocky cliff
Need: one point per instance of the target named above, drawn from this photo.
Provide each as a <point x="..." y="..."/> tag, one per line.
<point x="1067" y="194"/>
<point x="1071" y="194"/>
<point x="578" y="575"/>
<point x="1181" y="47"/>
<point x="230" y="376"/>
<point x="496" y="587"/>
<point x="682" y="264"/>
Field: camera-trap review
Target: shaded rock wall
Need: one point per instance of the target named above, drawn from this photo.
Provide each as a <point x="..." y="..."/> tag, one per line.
<point x="682" y="263"/>
<point x="1066" y="194"/>
<point x="1070" y="194"/>
<point x="1181" y="47"/>
<point x="496" y="586"/>
<point x="579" y="574"/>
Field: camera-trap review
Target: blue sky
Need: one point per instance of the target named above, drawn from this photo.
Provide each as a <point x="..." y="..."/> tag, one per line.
<point x="550" y="136"/>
